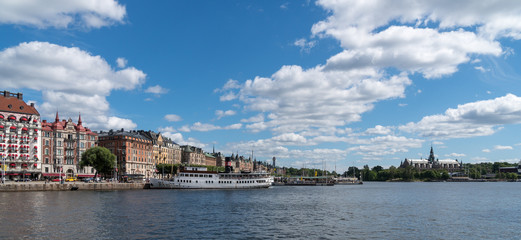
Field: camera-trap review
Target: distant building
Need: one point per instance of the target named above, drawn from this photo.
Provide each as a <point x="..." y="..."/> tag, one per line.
<point x="63" y="143"/>
<point x="19" y="137"/>
<point x="165" y="151"/>
<point x="193" y="155"/>
<point x="133" y="150"/>
<point x="432" y="163"/>
<point x="516" y="169"/>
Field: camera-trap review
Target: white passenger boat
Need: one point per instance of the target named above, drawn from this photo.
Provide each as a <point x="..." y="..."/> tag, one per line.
<point x="200" y="178"/>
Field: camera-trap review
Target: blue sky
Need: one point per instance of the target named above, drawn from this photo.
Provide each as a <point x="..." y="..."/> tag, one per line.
<point x="313" y="83"/>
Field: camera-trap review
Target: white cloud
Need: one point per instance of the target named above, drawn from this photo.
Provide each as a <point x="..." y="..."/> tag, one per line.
<point x="377" y="147"/>
<point x="62" y="13"/>
<point x="156" y="90"/>
<point x="220" y="113"/>
<point x="173" y="118"/>
<point x="378" y="130"/>
<point x="206" y="127"/>
<point x="122" y="62"/>
<point x="500" y="147"/>
<point x="179" y="139"/>
<point x="479" y="118"/>
<point x="300" y="99"/>
<point x="455" y="155"/>
<point x="71" y="80"/>
<point x="486" y="150"/>
<point x="482" y="69"/>
<point x="304" y="45"/>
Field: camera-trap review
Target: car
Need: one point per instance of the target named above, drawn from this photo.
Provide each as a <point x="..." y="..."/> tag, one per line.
<point x="71" y="179"/>
<point x="87" y="180"/>
<point x="56" y="180"/>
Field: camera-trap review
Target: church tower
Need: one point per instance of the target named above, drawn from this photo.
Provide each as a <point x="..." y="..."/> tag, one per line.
<point x="431" y="156"/>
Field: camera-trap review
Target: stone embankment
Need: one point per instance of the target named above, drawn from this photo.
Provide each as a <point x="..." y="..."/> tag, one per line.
<point x="68" y="186"/>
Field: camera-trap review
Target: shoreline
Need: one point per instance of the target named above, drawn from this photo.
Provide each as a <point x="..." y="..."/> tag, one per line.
<point x="68" y="186"/>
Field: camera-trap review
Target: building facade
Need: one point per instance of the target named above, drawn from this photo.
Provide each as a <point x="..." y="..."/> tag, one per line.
<point x="165" y="151"/>
<point x="19" y="138"/>
<point x="134" y="153"/>
<point x="193" y="155"/>
<point x="63" y="143"/>
<point x="432" y="163"/>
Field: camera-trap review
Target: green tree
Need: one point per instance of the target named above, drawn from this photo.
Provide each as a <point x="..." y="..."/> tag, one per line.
<point x="100" y="158"/>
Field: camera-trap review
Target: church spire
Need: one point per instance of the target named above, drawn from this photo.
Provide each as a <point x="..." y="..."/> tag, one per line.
<point x="57" y="119"/>
<point x="79" y="120"/>
<point x="431" y="156"/>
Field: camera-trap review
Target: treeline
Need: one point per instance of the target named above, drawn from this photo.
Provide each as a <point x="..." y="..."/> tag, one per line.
<point x="378" y="173"/>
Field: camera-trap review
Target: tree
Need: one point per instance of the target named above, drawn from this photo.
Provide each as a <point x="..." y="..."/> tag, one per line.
<point x="100" y="158"/>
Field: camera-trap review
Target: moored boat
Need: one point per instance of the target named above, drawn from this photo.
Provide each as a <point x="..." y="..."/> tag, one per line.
<point x="201" y="178"/>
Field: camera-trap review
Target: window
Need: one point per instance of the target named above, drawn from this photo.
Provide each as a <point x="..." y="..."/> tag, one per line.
<point x="47" y="160"/>
<point x="47" y="134"/>
<point x="47" y="168"/>
<point x="59" y="152"/>
<point x="59" y="143"/>
<point x="46" y="151"/>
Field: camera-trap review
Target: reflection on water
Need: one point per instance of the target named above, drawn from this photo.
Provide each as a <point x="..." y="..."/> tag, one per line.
<point x="372" y="210"/>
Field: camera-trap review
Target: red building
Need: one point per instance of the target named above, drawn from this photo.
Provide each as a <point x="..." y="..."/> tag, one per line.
<point x="63" y="143"/>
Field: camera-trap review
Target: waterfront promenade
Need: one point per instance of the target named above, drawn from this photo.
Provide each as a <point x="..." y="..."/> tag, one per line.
<point x="67" y="186"/>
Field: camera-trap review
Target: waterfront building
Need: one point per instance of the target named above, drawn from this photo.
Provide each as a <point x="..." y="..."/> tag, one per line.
<point x="210" y="160"/>
<point x="165" y="151"/>
<point x="133" y="150"/>
<point x="19" y="137"/>
<point x="193" y="155"/>
<point x="432" y="163"/>
<point x="516" y="169"/>
<point x="63" y="143"/>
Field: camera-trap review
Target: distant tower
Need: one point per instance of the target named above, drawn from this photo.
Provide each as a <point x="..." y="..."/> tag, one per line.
<point x="431" y="156"/>
<point x="274" y="160"/>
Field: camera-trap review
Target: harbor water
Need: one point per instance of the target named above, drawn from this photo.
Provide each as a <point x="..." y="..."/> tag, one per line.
<point x="372" y="210"/>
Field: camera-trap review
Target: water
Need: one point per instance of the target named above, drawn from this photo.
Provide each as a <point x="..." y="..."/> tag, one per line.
<point x="372" y="210"/>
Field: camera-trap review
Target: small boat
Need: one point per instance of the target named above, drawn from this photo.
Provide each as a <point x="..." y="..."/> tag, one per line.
<point x="348" y="181"/>
<point x="74" y="188"/>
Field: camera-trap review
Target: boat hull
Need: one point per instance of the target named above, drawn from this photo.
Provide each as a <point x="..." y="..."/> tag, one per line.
<point x="188" y="180"/>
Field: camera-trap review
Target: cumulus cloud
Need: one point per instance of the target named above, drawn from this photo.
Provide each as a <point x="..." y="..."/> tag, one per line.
<point x="500" y="147"/>
<point x="220" y="113"/>
<point x="299" y="99"/>
<point x="158" y="90"/>
<point x="304" y="45"/>
<point x="173" y="118"/>
<point x="378" y="130"/>
<point x="455" y="155"/>
<point x="62" y="13"/>
<point x="122" y="62"/>
<point x="206" y="127"/>
<point x="486" y="150"/>
<point x="375" y="148"/>
<point x="71" y="81"/>
<point x="479" y="118"/>
<point x="178" y="137"/>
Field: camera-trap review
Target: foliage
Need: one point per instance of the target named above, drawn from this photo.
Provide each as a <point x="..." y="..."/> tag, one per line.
<point x="100" y="158"/>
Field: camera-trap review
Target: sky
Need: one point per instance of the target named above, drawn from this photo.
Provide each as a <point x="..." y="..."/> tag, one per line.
<point x="317" y="84"/>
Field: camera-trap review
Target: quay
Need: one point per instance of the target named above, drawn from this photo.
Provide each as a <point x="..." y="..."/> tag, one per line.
<point x="68" y="186"/>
